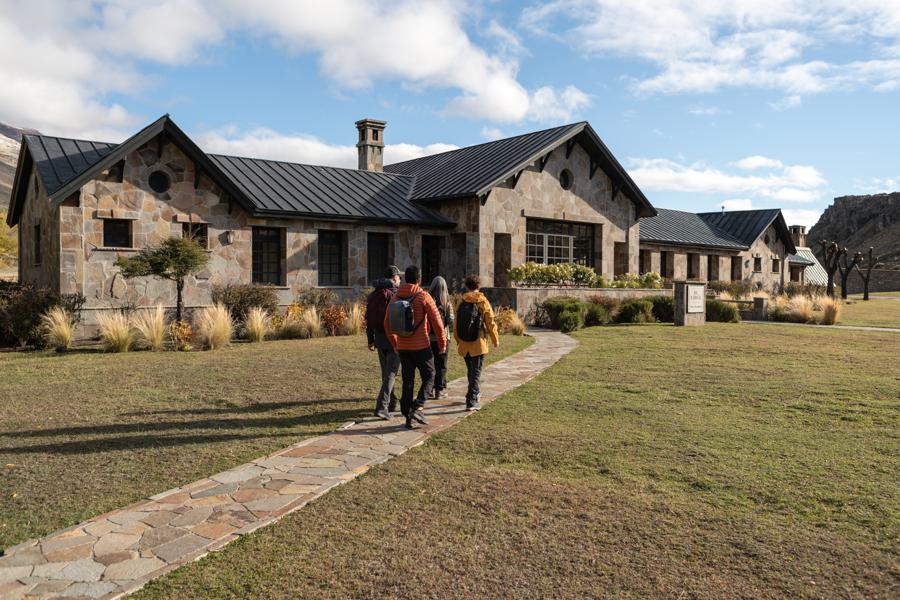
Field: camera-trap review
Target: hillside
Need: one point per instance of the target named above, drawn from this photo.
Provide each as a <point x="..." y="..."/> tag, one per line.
<point x="859" y="222"/>
<point x="9" y="153"/>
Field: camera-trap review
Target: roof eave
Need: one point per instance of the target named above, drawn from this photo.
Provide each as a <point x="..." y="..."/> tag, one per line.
<point x="14" y="210"/>
<point x="284" y="214"/>
<point x="692" y="245"/>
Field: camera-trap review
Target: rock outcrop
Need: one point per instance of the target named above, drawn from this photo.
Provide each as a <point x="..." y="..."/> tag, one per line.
<point x="859" y="222"/>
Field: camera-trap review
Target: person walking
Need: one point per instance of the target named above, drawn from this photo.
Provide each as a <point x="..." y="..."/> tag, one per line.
<point x="441" y="296"/>
<point x="474" y="324"/>
<point x="376" y="308"/>
<point x="411" y="315"/>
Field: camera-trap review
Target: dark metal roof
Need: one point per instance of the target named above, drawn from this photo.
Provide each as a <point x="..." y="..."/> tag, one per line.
<point x="326" y="192"/>
<point x="682" y="228"/>
<point x="60" y="160"/>
<point x="748" y="225"/>
<point x="474" y="170"/>
<point x="796" y="259"/>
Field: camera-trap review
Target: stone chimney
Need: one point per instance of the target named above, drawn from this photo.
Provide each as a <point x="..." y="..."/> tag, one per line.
<point x="798" y="234"/>
<point x="371" y="144"/>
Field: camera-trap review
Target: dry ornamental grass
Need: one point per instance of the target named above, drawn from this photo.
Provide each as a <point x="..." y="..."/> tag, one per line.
<point x="214" y="327"/>
<point x="151" y="327"/>
<point x="116" y="332"/>
<point x="59" y="328"/>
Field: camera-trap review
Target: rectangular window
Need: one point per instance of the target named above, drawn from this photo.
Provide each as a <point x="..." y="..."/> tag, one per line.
<point x="693" y="265"/>
<point x="776" y="265"/>
<point x="736" y="270"/>
<point x="332" y="258"/>
<point x="267" y="254"/>
<point x="378" y="252"/>
<point x="644" y="260"/>
<point x="196" y="231"/>
<point x="664" y="264"/>
<point x="432" y="249"/>
<point x="550" y="242"/>
<point x="117" y="233"/>
<point x="757" y="264"/>
<point x="37" y="245"/>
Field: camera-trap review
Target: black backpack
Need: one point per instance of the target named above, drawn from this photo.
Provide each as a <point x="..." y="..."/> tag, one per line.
<point x="468" y="322"/>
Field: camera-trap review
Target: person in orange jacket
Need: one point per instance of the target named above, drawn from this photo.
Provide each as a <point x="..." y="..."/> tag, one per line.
<point x="474" y="323"/>
<point x="413" y="345"/>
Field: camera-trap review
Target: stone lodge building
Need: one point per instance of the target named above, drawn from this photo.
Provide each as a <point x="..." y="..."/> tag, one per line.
<point x="744" y="245"/>
<point x="556" y="195"/>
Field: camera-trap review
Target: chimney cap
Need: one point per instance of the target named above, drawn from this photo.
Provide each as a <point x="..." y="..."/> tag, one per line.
<point x="371" y="123"/>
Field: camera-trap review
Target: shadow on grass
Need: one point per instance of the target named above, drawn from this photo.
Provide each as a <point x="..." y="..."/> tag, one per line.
<point x="121" y="440"/>
<point x="247" y="408"/>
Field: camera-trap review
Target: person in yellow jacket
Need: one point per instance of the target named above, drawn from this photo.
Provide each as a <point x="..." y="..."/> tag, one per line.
<point x="474" y="323"/>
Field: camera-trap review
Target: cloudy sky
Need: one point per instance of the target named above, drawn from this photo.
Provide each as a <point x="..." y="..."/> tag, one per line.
<point x="748" y="103"/>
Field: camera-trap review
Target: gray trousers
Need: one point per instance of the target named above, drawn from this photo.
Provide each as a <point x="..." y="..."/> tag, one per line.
<point x="390" y="366"/>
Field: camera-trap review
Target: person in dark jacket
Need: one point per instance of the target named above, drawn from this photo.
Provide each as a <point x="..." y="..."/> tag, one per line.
<point x="441" y="295"/>
<point x="376" y="308"/>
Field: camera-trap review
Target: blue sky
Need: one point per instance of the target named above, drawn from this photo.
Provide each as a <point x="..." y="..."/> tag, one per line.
<point x="744" y="104"/>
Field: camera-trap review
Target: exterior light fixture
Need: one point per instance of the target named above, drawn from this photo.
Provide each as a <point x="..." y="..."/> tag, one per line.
<point x="229" y="236"/>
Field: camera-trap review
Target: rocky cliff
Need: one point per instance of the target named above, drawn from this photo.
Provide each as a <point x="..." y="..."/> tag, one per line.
<point x="9" y="154"/>
<point x="859" y="222"/>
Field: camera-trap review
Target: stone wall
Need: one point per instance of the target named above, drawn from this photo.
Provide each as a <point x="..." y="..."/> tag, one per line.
<point x="538" y="194"/>
<point x="883" y="280"/>
<point x="525" y="300"/>
<point x="38" y="212"/>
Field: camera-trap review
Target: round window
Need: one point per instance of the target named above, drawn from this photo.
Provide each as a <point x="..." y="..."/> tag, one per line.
<point x="159" y="182"/>
<point x="565" y="179"/>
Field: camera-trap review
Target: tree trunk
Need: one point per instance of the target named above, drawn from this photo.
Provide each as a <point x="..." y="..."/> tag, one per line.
<point x="179" y="303"/>
<point x="830" y="289"/>
<point x="844" y="276"/>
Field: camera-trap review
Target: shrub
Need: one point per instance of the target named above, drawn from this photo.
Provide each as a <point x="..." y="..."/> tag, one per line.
<point x="116" y="332"/>
<point x="151" y="327"/>
<point x="355" y="323"/>
<point x="608" y="302"/>
<point x="320" y="298"/>
<point x="181" y="333"/>
<point x="21" y="309"/>
<point x="214" y="326"/>
<point x="239" y="298"/>
<point x="663" y="308"/>
<point x="562" y="274"/>
<point x="633" y="280"/>
<point x="570" y="320"/>
<point x="306" y="324"/>
<point x="554" y="307"/>
<point x="636" y="310"/>
<point x="257" y="324"/>
<point x="735" y="289"/>
<point x="722" y="312"/>
<point x="596" y="314"/>
<point x="779" y="310"/>
<point x="509" y="321"/>
<point x="59" y="328"/>
<point x="801" y="309"/>
<point x="794" y="288"/>
<point x="333" y="317"/>
<point x="831" y="311"/>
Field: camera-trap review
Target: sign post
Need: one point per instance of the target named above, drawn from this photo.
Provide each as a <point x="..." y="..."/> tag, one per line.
<point x="690" y="303"/>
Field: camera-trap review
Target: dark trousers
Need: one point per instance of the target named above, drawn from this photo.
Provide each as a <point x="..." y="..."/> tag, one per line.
<point x="390" y="365"/>
<point x="440" y="367"/>
<point x="411" y="361"/>
<point x="473" y="370"/>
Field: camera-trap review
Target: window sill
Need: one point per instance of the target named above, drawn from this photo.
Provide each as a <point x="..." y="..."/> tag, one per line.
<point x="115" y="249"/>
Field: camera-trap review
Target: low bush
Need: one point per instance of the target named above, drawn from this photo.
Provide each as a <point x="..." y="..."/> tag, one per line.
<point x="596" y="314"/>
<point x="116" y="332"/>
<point x="608" y="302"/>
<point x="355" y="323"/>
<point x="214" y="326"/>
<point x="663" y="308"/>
<point x="570" y="320"/>
<point x="635" y="310"/>
<point x="150" y="325"/>
<point x="509" y="321"/>
<point x="257" y="324"/>
<point x="59" y="328"/>
<point x="831" y="311"/>
<point x="801" y="309"/>
<point x="736" y="290"/>
<point x="794" y="288"/>
<point x="301" y="325"/>
<point x="722" y="312"/>
<point x="319" y="298"/>
<point x="561" y="274"/>
<point x="554" y="307"/>
<point x="181" y="333"/>
<point x="333" y="317"/>
<point x="22" y="307"/>
<point x="239" y="298"/>
<point x="652" y="281"/>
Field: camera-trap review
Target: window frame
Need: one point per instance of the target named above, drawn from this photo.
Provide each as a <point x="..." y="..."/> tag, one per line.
<point x="387" y="238"/>
<point x="260" y="269"/>
<point x="664" y="263"/>
<point x="108" y="234"/>
<point x="757" y="264"/>
<point x="341" y="275"/>
<point x="187" y="231"/>
<point x="564" y="239"/>
<point x="776" y="265"/>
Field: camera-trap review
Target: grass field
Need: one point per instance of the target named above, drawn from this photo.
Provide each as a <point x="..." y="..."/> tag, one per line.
<point x="871" y="313"/>
<point x="653" y="461"/>
<point x="84" y="433"/>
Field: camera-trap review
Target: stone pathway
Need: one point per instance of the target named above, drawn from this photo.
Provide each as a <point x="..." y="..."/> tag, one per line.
<point x="848" y="327"/>
<point x="116" y="553"/>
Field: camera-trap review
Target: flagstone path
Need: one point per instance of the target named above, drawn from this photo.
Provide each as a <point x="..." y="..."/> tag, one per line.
<point x="116" y="553"/>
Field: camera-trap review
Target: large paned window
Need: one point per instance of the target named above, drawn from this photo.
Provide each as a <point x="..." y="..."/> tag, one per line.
<point x="332" y="258"/>
<point x="664" y="264"/>
<point x="117" y="233"/>
<point x="550" y="242"/>
<point x="379" y="255"/>
<point x="268" y="253"/>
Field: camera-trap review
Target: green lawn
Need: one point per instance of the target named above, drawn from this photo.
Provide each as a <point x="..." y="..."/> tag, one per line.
<point x="653" y="461"/>
<point x="84" y="433"/>
<point x="871" y="313"/>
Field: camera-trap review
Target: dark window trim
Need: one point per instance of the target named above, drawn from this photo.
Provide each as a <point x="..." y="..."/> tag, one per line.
<point x="332" y="247"/>
<point x="188" y="230"/>
<point x="110" y="239"/>
<point x="263" y="269"/>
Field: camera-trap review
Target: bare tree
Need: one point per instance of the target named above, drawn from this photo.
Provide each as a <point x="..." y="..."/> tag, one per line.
<point x="845" y="266"/>
<point x="831" y="254"/>
<point x="872" y="262"/>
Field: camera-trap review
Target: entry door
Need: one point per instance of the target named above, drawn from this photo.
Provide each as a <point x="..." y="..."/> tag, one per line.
<point x="432" y="245"/>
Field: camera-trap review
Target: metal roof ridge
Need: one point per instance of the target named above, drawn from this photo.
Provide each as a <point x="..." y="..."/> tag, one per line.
<point x="301" y="164"/>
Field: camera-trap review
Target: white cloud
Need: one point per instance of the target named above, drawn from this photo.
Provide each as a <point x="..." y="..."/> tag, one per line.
<point x="737" y="204"/>
<point x="879" y="185"/>
<point x="785" y="183"/>
<point x="757" y="162"/>
<point x="705" y="111"/>
<point x="59" y="76"/>
<point x="703" y="47"/>
<point x="801" y="216"/>
<point x="491" y="133"/>
<point x="265" y="143"/>
<point x="786" y="103"/>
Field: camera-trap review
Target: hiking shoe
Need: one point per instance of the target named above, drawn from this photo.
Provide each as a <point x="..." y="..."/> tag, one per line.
<point x="473" y="405"/>
<point x="440" y="394"/>
<point x="419" y="416"/>
<point x="392" y="405"/>
<point x="383" y="414"/>
<point x="409" y="423"/>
